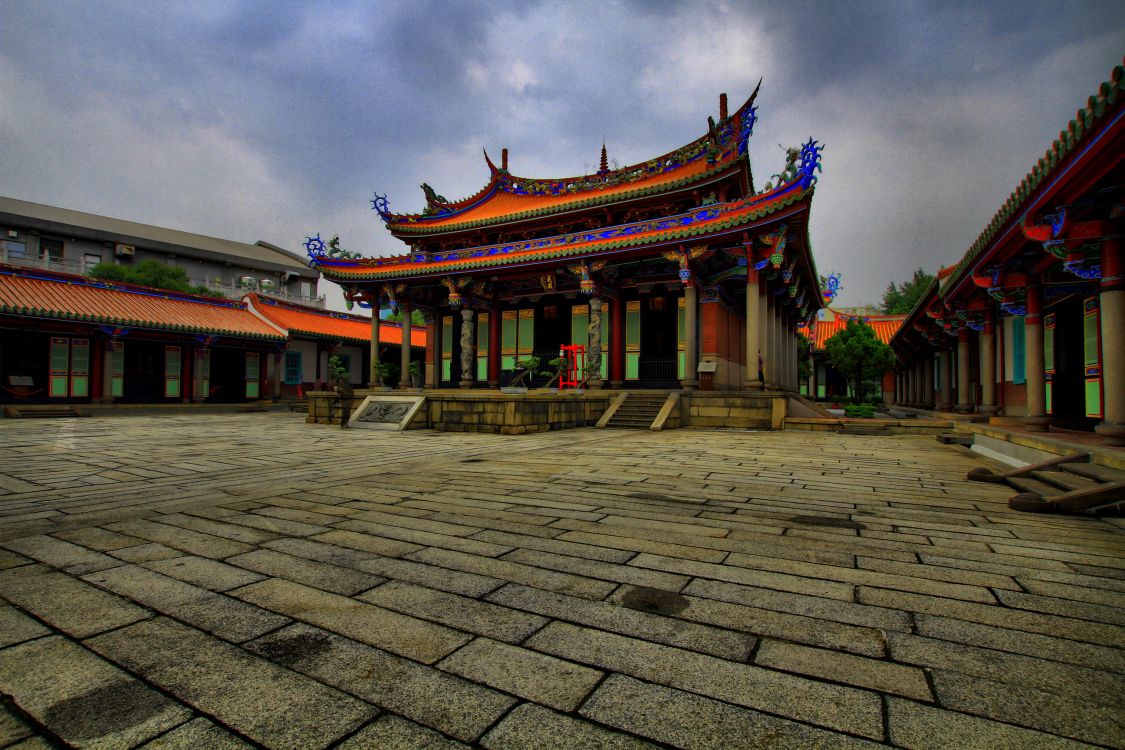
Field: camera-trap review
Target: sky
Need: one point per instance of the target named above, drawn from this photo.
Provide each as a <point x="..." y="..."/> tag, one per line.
<point x="273" y="121"/>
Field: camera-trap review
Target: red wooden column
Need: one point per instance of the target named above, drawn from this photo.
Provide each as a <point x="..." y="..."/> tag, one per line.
<point x="494" y="346"/>
<point x="963" y="371"/>
<point x="617" y="343"/>
<point x="432" y="346"/>
<point x="1036" y="419"/>
<point x="752" y="380"/>
<point x="1112" y="305"/>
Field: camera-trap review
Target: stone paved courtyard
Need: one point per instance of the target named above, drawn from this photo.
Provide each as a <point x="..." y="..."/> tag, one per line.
<point x="246" y="581"/>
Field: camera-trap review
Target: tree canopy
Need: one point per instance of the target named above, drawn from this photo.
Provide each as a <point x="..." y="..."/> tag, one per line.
<point x="899" y="300"/>
<point x="416" y="317"/>
<point x="859" y="355"/>
<point x="150" y="273"/>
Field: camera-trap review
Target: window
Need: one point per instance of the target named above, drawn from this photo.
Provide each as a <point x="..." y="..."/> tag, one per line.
<point x="51" y="249"/>
<point x="1019" y="358"/>
<point x="89" y="260"/>
<point x="292" y="368"/>
<point x="306" y="289"/>
<point x="14" y="249"/>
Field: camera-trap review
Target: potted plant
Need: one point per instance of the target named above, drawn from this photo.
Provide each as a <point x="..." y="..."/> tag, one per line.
<point x="338" y="374"/>
<point x="382" y="372"/>
<point x="415" y="370"/>
<point x="525" y="369"/>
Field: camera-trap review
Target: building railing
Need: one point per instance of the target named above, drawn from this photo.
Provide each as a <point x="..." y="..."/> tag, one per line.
<point x="230" y="290"/>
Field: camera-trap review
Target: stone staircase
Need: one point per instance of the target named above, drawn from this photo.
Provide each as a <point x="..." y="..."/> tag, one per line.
<point x="51" y="412"/>
<point x="638" y="412"/>
<point x="1068" y="484"/>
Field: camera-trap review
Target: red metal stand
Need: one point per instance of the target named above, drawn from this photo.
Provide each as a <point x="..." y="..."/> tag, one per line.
<point x="575" y="356"/>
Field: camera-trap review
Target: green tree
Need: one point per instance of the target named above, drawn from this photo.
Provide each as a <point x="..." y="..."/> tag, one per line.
<point x="899" y="300"/>
<point x="150" y="273"/>
<point x="804" y="366"/>
<point x="858" y="354"/>
<point x="416" y="317"/>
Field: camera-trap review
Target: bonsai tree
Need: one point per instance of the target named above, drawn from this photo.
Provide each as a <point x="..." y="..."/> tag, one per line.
<point x="858" y="354"/>
<point x="338" y="374"/>
<point x="526" y="368"/>
<point x="382" y="372"/>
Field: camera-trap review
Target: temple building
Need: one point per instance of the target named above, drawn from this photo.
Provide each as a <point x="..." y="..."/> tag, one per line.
<point x="674" y="273"/>
<point x="1030" y="324"/>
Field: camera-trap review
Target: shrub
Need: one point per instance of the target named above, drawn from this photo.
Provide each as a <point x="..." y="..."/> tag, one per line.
<point x="859" y="411"/>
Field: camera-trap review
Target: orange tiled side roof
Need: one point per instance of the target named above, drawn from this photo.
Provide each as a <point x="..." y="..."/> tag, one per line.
<point x="47" y="294"/>
<point x="884" y="327"/>
<point x="311" y="321"/>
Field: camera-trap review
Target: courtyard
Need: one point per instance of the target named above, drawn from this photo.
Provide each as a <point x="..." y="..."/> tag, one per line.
<point x="253" y="581"/>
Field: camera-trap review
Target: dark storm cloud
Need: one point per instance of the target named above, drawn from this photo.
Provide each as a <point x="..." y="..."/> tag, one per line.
<point x="253" y="120"/>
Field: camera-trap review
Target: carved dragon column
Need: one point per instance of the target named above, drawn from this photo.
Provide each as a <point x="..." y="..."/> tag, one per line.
<point x="594" y="342"/>
<point x="1112" y="304"/>
<point x="468" y="350"/>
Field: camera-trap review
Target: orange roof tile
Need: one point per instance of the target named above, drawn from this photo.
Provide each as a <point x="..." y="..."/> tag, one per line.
<point x="311" y="321"/>
<point x="48" y="294"/>
<point x="884" y="327"/>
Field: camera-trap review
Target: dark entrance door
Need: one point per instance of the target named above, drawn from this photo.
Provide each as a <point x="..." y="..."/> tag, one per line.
<point x="144" y="371"/>
<point x="659" y="339"/>
<point x="228" y="375"/>
<point x="1068" y="391"/>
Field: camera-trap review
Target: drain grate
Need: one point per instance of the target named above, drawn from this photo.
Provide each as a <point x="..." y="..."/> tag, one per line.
<point x="836" y="523"/>
<point x="656" y="601"/>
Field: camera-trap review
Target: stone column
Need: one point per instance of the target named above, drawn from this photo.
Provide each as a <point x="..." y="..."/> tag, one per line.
<point x="1112" y="310"/>
<point x="945" y="367"/>
<point x="752" y="381"/>
<point x="988" y="365"/>
<point x="918" y="375"/>
<point x="468" y="353"/>
<point x="404" y="376"/>
<point x="617" y="343"/>
<point x="594" y="342"/>
<point x="1036" y="419"/>
<point x="433" y="368"/>
<point x="691" y="339"/>
<point x="764" y="321"/>
<point x="107" y="373"/>
<point x="372" y="376"/>
<point x="963" y="400"/>
<point x="278" y="356"/>
<point x="928" y="381"/>
<point x="494" y="346"/>
<point x="197" y="393"/>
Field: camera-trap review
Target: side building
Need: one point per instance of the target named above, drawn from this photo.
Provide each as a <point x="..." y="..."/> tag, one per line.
<point x="59" y="239"/>
<point x="1030" y="324"/>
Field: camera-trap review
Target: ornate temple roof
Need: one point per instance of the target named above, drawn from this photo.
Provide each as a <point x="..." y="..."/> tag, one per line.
<point x="61" y="296"/>
<point x="507" y="197"/>
<point x="326" y="324"/>
<point x="704" y="221"/>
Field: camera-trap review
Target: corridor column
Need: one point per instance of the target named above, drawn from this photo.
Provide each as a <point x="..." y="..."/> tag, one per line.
<point x="404" y="376"/>
<point x="928" y="381"/>
<point x="752" y="381"/>
<point x="1112" y="306"/>
<point x="494" y="346"/>
<point x="945" y="366"/>
<point x="963" y="402"/>
<point x="691" y="339"/>
<point x="764" y="334"/>
<point x="468" y="351"/>
<point x="617" y="343"/>
<point x="988" y="366"/>
<point x="278" y="356"/>
<point x="373" y="376"/>
<point x="1036" y="419"/>
<point x="594" y="340"/>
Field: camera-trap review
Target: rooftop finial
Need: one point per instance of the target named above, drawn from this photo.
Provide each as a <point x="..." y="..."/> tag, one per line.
<point x="504" y="159"/>
<point x="722" y="107"/>
<point x="604" y="167"/>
